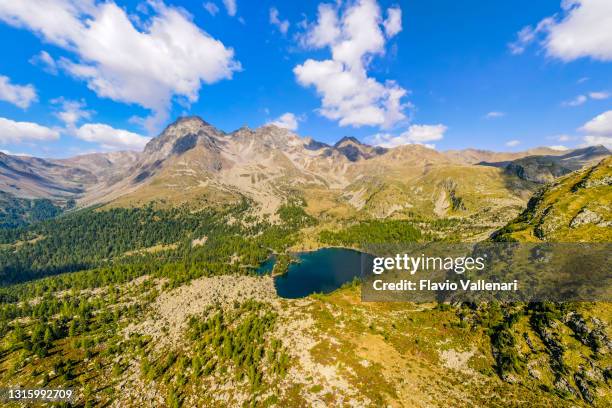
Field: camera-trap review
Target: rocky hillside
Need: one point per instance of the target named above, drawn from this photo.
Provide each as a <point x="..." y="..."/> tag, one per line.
<point x="546" y="168"/>
<point x="573" y="208"/>
<point x="60" y="179"/>
<point x="562" y="347"/>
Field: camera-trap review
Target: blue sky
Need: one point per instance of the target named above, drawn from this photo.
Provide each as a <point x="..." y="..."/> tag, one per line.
<point x="85" y="76"/>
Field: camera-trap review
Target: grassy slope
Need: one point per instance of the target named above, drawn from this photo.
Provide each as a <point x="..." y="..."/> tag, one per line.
<point x="551" y="211"/>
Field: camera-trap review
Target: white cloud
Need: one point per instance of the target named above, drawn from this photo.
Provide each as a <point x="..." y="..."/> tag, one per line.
<point x="592" y="140"/>
<point x="599" y="95"/>
<point x="494" y="115"/>
<point x="581" y="99"/>
<point x="211" y="8"/>
<point x="231" y="7"/>
<point x="523" y="38"/>
<point x="600" y="124"/>
<point x="577" y="101"/>
<point x="19" y="95"/>
<point x="561" y="138"/>
<point x="393" y="23"/>
<point x="560" y="148"/>
<point x="169" y="56"/>
<point x="286" y="121"/>
<point x="513" y="143"/>
<point x="326" y="31"/>
<point x="582" y="29"/>
<point x="71" y="111"/>
<point x="528" y="34"/>
<point x="17" y="132"/>
<point x="110" y="138"/>
<point x="348" y="95"/>
<point x="416" y="134"/>
<point x="282" y="25"/>
<point x="599" y="130"/>
<point x="45" y="60"/>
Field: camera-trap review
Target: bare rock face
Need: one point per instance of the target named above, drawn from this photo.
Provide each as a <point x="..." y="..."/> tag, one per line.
<point x="586" y="216"/>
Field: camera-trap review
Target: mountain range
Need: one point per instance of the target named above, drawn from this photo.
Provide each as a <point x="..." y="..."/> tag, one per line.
<point x="192" y="160"/>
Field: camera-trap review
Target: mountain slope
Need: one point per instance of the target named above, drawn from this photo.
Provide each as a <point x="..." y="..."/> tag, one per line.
<point x="193" y="162"/>
<point x="563" y="347"/>
<point x="475" y="156"/>
<point x="60" y="179"/>
<point x="574" y="208"/>
<point x="18" y="212"/>
<point x="546" y="168"/>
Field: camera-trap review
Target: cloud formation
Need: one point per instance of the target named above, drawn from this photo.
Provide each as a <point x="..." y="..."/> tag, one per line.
<point x="46" y="61"/>
<point x="494" y="115"/>
<point x="19" y="95"/>
<point x="415" y="134"/>
<point x="599" y="95"/>
<point x="231" y="7"/>
<point x="577" y="101"/>
<point x="110" y="138"/>
<point x="282" y="25"/>
<point x="166" y="56"/>
<point x="71" y="111"/>
<point x="513" y="143"/>
<point x="599" y="130"/>
<point x="581" y="99"/>
<point x="286" y="121"/>
<point x="211" y="8"/>
<point x="581" y="29"/>
<point x="354" y="35"/>
<point x="393" y="22"/>
<point x="18" y="132"/>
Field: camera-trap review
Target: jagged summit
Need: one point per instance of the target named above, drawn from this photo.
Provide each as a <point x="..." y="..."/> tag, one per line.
<point x="354" y="150"/>
<point x="589" y="152"/>
<point x="349" y="139"/>
<point x="190" y="119"/>
<point x="180" y="136"/>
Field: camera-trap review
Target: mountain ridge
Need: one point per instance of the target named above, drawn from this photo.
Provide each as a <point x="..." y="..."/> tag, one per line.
<point x="546" y="168"/>
<point x="193" y="160"/>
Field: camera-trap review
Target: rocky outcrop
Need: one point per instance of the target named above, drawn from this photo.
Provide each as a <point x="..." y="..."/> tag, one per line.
<point x="586" y="216"/>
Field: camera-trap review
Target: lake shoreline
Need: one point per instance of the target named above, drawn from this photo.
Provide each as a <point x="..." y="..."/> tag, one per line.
<point x="315" y="271"/>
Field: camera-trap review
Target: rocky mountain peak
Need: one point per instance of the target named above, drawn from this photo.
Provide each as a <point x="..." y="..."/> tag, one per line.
<point x="183" y="135"/>
<point x="346" y="140"/>
<point x="588" y="152"/>
<point x="355" y="150"/>
<point x="276" y="137"/>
